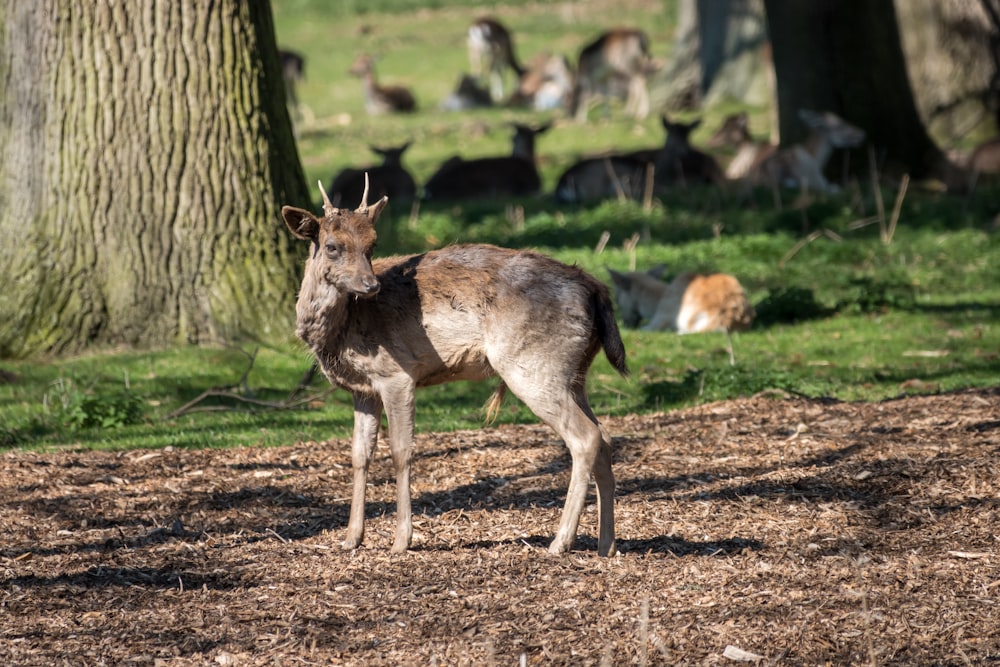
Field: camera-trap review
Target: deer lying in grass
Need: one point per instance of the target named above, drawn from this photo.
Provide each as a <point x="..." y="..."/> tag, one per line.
<point x="801" y="166"/>
<point x="490" y="177"/>
<point x="491" y="54"/>
<point x="680" y="163"/>
<point x="381" y="99"/>
<point x="617" y="56"/>
<point x="389" y="179"/>
<point x="602" y="177"/>
<point x="383" y="328"/>
<point x="735" y="133"/>
<point x="690" y="303"/>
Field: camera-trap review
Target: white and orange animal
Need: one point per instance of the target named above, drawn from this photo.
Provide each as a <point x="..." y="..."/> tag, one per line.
<point x="690" y="303"/>
<point x="383" y="328"/>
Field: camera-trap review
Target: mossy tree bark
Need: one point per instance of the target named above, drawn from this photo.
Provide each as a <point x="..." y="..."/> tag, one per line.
<point x="146" y="151"/>
<point x="845" y="56"/>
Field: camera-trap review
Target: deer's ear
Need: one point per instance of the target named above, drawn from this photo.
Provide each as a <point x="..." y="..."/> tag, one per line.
<point x="300" y="222"/>
<point x="620" y="280"/>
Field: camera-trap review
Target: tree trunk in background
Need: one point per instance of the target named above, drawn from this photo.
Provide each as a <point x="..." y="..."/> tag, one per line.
<point x="947" y="45"/>
<point x="720" y="55"/>
<point x="845" y="56"/>
<point x="146" y="151"/>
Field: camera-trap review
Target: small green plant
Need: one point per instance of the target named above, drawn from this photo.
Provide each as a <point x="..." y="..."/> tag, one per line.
<point x="77" y="409"/>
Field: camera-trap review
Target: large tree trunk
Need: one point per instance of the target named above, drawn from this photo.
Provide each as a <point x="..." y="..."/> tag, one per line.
<point x="146" y="150"/>
<point x="845" y="56"/>
<point x="720" y="54"/>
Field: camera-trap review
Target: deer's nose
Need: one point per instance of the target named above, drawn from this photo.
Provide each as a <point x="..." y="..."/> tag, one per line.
<point x="370" y="285"/>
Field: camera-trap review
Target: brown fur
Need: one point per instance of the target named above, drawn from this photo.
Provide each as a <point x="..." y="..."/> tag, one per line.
<point x="382" y="329"/>
<point x="618" y="60"/>
<point x="381" y="99"/>
<point x="547" y="84"/>
<point x="491" y="54"/>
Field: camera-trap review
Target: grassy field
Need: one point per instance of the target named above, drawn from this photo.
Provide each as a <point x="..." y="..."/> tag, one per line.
<point x="841" y="312"/>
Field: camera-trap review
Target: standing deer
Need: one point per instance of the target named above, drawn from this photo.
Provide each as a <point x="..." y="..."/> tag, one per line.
<point x="690" y="303"/>
<point x="617" y="59"/>
<point x="383" y="328"/>
<point x="735" y="133"/>
<point x="490" y="177"/>
<point x="389" y="179"/>
<point x="547" y="84"/>
<point x="381" y="99"/>
<point x="801" y="166"/>
<point x="491" y="54"/>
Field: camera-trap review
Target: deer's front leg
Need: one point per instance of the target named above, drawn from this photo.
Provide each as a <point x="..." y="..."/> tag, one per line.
<point x="399" y="408"/>
<point x="367" y="415"/>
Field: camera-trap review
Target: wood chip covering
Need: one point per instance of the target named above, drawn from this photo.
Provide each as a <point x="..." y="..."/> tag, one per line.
<point x="767" y="530"/>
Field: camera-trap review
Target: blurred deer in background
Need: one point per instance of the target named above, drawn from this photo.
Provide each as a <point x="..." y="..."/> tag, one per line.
<point x="801" y="165"/>
<point x="547" y="84"/>
<point x="293" y="70"/>
<point x="680" y="163"/>
<point x="690" y="303"/>
<point x="490" y="177"/>
<point x="381" y="99"/>
<point x="491" y="54"/>
<point x="383" y="328"/>
<point x="735" y="133"/>
<point x="618" y="60"/>
<point x="389" y="179"/>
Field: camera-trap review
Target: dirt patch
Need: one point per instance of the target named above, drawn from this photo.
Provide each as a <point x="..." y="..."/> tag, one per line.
<point x="801" y="531"/>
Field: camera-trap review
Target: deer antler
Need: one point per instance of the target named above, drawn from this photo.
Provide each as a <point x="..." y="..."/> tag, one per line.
<point x="328" y="207"/>
<point x="364" y="197"/>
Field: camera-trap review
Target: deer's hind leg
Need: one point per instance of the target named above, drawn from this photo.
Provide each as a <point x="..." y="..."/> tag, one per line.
<point x="565" y="408"/>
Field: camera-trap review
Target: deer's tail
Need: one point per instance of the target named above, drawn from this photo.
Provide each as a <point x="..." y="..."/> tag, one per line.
<point x="607" y="330"/>
<point x="492" y="408"/>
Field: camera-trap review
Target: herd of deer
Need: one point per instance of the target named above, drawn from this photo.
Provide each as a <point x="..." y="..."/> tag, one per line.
<point x="634" y="175"/>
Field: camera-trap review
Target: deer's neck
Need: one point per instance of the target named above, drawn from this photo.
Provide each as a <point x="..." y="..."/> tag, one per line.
<point x="818" y="146"/>
<point x="321" y="314"/>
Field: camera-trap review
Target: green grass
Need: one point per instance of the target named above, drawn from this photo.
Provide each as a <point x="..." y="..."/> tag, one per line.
<point x="844" y="316"/>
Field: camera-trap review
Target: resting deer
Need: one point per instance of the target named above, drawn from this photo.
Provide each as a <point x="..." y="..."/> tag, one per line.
<point x="619" y="56"/>
<point x="491" y="54"/>
<point x="602" y="177"/>
<point x="381" y="99"/>
<point x="389" y="179"/>
<point x="735" y="133"/>
<point x="383" y="328"/>
<point x="690" y="303"/>
<point x="801" y="166"/>
<point x="680" y="163"/>
<point x="490" y="177"/>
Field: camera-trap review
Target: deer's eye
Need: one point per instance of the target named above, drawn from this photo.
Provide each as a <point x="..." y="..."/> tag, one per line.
<point x="332" y="249"/>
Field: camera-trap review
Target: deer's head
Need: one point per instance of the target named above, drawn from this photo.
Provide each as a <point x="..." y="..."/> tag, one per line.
<point x="342" y="242"/>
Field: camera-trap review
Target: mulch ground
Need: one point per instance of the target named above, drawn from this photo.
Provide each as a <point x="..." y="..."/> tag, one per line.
<point x="770" y="530"/>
